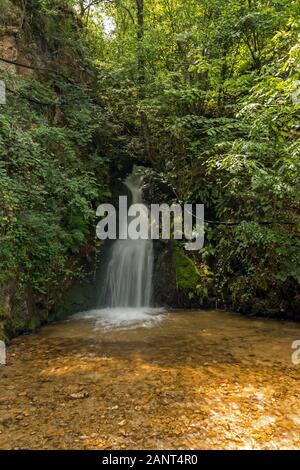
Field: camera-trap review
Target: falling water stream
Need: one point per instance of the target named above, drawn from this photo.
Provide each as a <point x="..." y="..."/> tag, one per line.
<point x="126" y="290"/>
<point x="128" y="280"/>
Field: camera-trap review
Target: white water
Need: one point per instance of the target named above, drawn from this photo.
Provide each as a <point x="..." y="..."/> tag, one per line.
<point x="127" y="288"/>
<point x="128" y="280"/>
<point x="123" y="318"/>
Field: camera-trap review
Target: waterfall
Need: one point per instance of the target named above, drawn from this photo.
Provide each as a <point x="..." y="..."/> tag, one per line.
<point x="128" y="278"/>
<point x="126" y="286"/>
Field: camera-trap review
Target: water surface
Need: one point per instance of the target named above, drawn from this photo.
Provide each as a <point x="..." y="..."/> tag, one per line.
<point x="164" y="380"/>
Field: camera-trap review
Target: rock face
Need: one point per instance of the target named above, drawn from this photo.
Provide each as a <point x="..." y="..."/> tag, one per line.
<point x="8" y="49"/>
<point x="164" y="278"/>
<point x="23" y="311"/>
<point x="17" y="310"/>
<point x="10" y="25"/>
<point x="164" y="275"/>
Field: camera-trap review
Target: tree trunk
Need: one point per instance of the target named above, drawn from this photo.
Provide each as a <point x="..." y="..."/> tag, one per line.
<point x="142" y="77"/>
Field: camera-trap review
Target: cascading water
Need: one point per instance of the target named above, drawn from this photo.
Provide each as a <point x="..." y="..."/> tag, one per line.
<point x="128" y="280"/>
<point x="126" y="289"/>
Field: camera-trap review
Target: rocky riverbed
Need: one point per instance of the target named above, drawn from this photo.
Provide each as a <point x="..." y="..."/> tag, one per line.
<point x="193" y="380"/>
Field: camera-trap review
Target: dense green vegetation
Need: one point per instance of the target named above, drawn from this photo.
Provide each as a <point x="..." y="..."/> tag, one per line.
<point x="201" y="92"/>
<point x="206" y="92"/>
<point x="53" y="167"/>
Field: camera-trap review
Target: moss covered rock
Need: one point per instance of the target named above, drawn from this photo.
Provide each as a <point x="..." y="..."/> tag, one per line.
<point x="194" y="284"/>
<point x="187" y="274"/>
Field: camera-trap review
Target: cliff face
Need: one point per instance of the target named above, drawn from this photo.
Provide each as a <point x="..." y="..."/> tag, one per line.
<point x="19" y="44"/>
<point x="10" y="25"/>
<point x="52" y="173"/>
<point x="30" y="36"/>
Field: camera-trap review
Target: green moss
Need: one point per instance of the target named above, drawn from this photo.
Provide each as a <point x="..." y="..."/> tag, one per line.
<point x="2" y="334"/>
<point x="195" y="287"/>
<point x="34" y="323"/>
<point x="187" y="274"/>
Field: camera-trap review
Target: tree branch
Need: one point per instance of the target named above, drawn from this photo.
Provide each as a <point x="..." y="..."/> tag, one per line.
<point x="40" y="69"/>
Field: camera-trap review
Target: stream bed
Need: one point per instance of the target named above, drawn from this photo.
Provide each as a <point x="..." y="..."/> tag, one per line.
<point x="182" y="380"/>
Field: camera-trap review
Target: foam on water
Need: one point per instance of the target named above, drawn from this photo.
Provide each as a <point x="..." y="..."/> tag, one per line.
<point x="123" y="317"/>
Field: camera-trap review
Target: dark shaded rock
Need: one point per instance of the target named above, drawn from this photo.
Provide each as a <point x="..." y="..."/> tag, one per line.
<point x="164" y="276"/>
